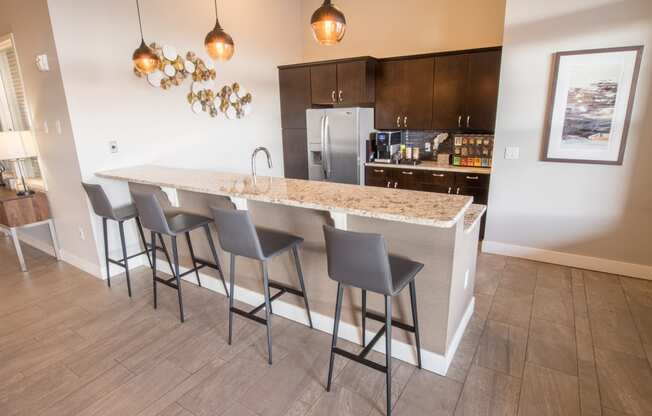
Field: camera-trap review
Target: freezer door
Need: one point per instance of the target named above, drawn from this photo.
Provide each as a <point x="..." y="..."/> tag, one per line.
<point x="314" y="121"/>
<point x="341" y="146"/>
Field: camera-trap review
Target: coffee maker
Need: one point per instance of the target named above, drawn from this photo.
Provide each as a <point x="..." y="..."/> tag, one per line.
<point x="387" y="144"/>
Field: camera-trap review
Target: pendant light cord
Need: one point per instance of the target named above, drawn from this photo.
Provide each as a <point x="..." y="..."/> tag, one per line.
<point x="217" y="21"/>
<point x="140" y="23"/>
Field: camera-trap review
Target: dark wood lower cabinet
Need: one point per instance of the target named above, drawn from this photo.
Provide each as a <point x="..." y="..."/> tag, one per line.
<point x="444" y="182"/>
<point x="295" y="151"/>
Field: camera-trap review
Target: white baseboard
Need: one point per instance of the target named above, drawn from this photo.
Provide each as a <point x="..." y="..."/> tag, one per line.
<point x="640" y="271"/>
<point x="434" y="362"/>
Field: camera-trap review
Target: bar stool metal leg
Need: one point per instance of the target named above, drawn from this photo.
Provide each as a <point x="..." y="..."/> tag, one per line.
<point x="105" y="229"/>
<point x="192" y="256"/>
<point x="232" y="285"/>
<point x="175" y="257"/>
<point x="268" y="310"/>
<point x="209" y="237"/>
<point x="153" y="240"/>
<point x="364" y="318"/>
<point x="142" y="237"/>
<point x="336" y="326"/>
<point x="388" y="352"/>
<point x="295" y="254"/>
<point x="165" y="251"/>
<point x="415" y="321"/>
<point x="121" y="226"/>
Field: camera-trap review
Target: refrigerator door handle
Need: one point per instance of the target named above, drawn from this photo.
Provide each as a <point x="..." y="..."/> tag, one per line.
<point x="327" y="157"/>
<point x="322" y="139"/>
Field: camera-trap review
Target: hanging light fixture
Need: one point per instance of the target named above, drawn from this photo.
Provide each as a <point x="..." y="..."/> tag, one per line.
<point x="218" y="43"/>
<point x="145" y="60"/>
<point x="328" y="24"/>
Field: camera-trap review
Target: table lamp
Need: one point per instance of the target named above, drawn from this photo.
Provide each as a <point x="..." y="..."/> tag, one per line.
<point x="18" y="146"/>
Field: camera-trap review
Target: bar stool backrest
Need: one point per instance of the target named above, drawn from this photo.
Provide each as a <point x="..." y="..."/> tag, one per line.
<point x="358" y="259"/>
<point x="150" y="212"/>
<point x="99" y="200"/>
<point x="237" y="233"/>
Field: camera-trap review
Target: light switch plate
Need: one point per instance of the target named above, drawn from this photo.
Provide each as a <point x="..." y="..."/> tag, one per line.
<point x="511" y="152"/>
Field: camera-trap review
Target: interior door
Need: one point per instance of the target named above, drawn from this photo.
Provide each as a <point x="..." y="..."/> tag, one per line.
<point x="341" y="146"/>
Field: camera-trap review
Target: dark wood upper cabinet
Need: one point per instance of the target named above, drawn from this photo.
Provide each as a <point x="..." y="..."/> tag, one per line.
<point x="482" y="90"/>
<point x="295" y="153"/>
<point x="466" y="91"/>
<point x="294" y="84"/>
<point x="323" y="83"/>
<point x="450" y="91"/>
<point x="404" y="91"/>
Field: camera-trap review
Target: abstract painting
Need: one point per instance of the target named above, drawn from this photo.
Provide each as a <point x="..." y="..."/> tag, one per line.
<point x="590" y="105"/>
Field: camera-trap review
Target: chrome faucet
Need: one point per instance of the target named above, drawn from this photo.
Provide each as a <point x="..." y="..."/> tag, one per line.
<point x="253" y="160"/>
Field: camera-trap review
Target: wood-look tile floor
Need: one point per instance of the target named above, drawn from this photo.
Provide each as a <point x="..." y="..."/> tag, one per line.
<point x="544" y="340"/>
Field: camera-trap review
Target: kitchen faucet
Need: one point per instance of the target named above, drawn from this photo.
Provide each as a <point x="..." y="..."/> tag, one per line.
<point x="253" y="160"/>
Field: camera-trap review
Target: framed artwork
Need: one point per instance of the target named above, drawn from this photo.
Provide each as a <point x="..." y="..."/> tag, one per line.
<point x="590" y="105"/>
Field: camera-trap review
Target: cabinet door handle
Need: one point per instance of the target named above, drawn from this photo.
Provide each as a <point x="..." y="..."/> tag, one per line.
<point x="398" y="121"/>
<point x="457" y="191"/>
<point x="459" y="121"/>
<point x="333" y="95"/>
<point x="468" y="121"/>
<point x="450" y="189"/>
<point x="473" y="178"/>
<point x="395" y="184"/>
<point x="438" y="175"/>
<point x="407" y="172"/>
<point x="379" y="170"/>
<point x="388" y="182"/>
<point x="405" y="121"/>
<point x="339" y="96"/>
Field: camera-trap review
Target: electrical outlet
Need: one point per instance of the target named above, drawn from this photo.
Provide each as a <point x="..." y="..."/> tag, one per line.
<point x="82" y="234"/>
<point x="466" y="279"/>
<point x="113" y="146"/>
<point x="511" y="152"/>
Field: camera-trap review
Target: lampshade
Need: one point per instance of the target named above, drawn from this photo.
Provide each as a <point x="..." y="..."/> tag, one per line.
<point x="17" y="145"/>
<point x="328" y="24"/>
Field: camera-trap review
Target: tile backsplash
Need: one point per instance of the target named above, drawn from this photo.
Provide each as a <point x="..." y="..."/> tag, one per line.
<point x="418" y="138"/>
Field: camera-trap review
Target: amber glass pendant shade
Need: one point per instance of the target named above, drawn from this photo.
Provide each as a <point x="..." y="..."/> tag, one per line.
<point x="145" y="60"/>
<point x="219" y="44"/>
<point x="328" y="24"/>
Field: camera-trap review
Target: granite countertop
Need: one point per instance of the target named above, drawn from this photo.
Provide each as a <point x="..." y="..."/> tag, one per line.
<point x="415" y="207"/>
<point x="473" y="215"/>
<point x="432" y="165"/>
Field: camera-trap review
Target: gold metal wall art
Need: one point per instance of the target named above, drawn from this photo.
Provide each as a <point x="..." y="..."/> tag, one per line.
<point x="231" y="100"/>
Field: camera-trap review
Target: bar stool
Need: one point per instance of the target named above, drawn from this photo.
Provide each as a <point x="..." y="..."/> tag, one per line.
<point x="103" y="208"/>
<point x="361" y="260"/>
<point x="240" y="237"/>
<point x="172" y="225"/>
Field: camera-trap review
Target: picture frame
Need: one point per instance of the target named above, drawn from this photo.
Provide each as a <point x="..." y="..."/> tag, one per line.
<point x="590" y="105"/>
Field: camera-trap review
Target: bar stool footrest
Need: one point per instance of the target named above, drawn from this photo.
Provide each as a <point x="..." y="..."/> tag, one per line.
<point x="357" y="358"/>
<point x="249" y="315"/>
<point x="398" y="324"/>
<point x="207" y="263"/>
<point x="167" y="282"/>
<point x="285" y="288"/>
<point x="194" y="269"/>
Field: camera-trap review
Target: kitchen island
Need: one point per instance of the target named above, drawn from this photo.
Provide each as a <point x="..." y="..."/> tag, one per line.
<point x="439" y="230"/>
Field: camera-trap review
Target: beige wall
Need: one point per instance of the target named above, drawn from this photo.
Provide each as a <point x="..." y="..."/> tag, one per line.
<point x="30" y="23"/>
<point x="95" y="40"/>
<point x="598" y="211"/>
<point x="384" y="28"/>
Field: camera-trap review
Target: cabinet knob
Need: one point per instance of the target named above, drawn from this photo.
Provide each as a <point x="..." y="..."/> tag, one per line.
<point x="473" y="178"/>
<point x="438" y="175"/>
<point x="398" y="121"/>
<point x="468" y="121"/>
<point x="405" y="121"/>
<point x="459" y="121"/>
<point x="339" y="96"/>
<point x="379" y="170"/>
<point x="406" y="172"/>
<point x="333" y="95"/>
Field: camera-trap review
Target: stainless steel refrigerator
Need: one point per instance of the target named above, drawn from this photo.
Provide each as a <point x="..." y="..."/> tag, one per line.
<point x="337" y="143"/>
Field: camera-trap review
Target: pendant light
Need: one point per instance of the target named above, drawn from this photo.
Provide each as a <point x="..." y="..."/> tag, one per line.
<point x="145" y="60"/>
<point x="218" y="43"/>
<point x="328" y="24"/>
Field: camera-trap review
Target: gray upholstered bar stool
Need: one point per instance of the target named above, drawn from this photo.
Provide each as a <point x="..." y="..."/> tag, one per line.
<point x="155" y="219"/>
<point x="104" y="209"/>
<point x="361" y="260"/>
<point x="240" y="237"/>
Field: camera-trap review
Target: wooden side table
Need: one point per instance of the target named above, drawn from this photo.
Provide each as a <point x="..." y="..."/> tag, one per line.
<point x="28" y="211"/>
